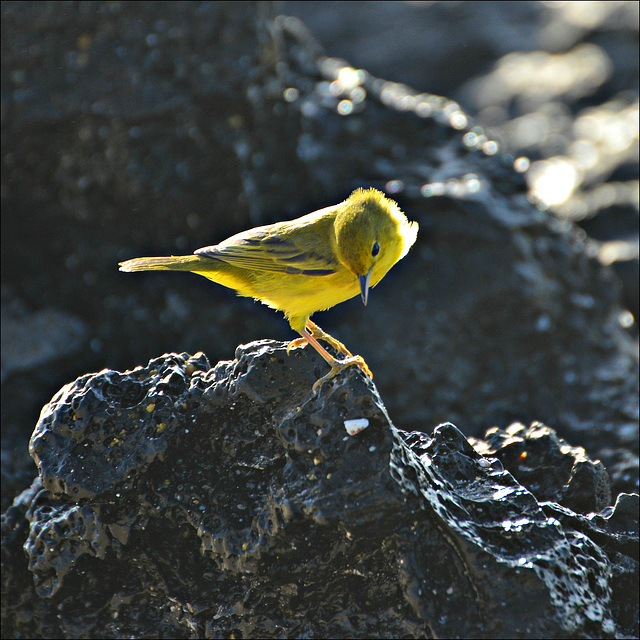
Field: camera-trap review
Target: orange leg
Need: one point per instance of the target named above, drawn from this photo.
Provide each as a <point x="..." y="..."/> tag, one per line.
<point x="311" y="334"/>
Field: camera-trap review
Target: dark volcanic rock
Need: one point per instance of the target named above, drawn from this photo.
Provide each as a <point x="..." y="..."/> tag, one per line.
<point x="180" y="501"/>
<point x="549" y="467"/>
<point x="185" y="501"/>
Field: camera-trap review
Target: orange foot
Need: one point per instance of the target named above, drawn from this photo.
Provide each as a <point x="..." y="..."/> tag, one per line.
<point x="311" y="335"/>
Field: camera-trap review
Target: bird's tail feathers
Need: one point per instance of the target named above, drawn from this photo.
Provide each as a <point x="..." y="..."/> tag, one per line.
<point x="171" y="263"/>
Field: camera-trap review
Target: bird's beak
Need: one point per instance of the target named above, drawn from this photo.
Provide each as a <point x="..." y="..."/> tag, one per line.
<point x="364" y="286"/>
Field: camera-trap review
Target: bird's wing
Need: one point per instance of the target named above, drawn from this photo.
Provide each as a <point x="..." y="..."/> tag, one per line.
<point x="271" y="249"/>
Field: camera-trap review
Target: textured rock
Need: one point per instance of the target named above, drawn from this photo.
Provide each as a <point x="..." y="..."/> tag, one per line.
<point x="183" y="501"/>
<point x="186" y="501"/>
<point x="549" y="467"/>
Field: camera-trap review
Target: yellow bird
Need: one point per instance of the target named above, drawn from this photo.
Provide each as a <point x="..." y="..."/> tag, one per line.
<point x="307" y="265"/>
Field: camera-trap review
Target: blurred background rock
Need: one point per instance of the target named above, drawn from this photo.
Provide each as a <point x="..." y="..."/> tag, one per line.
<point x="555" y="82"/>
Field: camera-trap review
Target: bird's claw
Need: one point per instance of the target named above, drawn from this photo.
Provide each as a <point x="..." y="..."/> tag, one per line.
<point x="296" y="344"/>
<point x="341" y="365"/>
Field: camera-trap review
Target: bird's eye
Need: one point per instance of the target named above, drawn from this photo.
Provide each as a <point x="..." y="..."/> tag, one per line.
<point x="376" y="249"/>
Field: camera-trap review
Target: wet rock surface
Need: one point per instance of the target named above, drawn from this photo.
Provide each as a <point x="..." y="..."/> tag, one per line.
<point x="189" y="501"/>
<point x="185" y="501"/>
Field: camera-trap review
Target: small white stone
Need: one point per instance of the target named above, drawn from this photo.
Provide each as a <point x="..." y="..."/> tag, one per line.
<point x="356" y="426"/>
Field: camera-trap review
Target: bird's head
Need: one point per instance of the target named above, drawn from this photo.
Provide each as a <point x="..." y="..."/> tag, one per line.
<point x="372" y="234"/>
